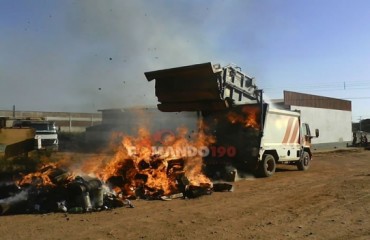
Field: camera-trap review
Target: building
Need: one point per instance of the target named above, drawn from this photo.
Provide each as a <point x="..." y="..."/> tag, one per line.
<point x="333" y="117"/>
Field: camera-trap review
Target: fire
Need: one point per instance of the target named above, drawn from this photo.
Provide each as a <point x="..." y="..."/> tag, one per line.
<point x="166" y="166"/>
<point x="142" y="168"/>
<point x="43" y="176"/>
<point x="248" y="117"/>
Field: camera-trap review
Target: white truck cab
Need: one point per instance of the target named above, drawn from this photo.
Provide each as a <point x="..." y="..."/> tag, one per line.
<point x="46" y="133"/>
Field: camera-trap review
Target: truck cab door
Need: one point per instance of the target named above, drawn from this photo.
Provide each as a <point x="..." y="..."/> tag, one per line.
<point x="306" y="135"/>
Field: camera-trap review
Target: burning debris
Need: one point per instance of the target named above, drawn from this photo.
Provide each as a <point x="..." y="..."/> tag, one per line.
<point x="142" y="169"/>
<point x="247" y="117"/>
<point x="137" y="170"/>
<point x="54" y="189"/>
<point x="165" y="165"/>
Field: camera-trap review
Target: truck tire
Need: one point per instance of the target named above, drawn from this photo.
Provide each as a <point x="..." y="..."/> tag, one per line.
<point x="304" y="163"/>
<point x="267" y="166"/>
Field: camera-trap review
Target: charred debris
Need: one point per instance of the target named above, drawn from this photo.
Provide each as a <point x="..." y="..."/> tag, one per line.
<point x="55" y="189"/>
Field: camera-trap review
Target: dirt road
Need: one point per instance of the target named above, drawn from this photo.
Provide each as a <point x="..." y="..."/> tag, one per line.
<point x="330" y="201"/>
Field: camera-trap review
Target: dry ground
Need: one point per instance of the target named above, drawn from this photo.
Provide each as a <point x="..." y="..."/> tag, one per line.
<point x="330" y="201"/>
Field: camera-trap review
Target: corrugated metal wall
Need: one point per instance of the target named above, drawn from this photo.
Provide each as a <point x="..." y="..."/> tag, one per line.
<point x="308" y="100"/>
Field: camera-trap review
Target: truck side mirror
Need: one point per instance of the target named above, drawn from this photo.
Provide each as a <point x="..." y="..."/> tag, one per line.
<point x="317" y="133"/>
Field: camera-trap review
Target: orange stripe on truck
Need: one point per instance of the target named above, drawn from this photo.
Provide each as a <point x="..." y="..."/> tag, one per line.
<point x="294" y="137"/>
<point x="288" y="130"/>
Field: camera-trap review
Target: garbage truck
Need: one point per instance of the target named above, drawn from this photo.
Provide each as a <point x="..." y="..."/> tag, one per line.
<point x="251" y="135"/>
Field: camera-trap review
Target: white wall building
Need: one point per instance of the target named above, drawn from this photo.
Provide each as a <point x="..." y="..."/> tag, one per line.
<point x="333" y="117"/>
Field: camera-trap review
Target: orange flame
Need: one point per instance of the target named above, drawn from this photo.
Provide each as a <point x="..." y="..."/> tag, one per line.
<point x="146" y="167"/>
<point x="139" y="165"/>
<point x="43" y="177"/>
<point x="248" y="117"/>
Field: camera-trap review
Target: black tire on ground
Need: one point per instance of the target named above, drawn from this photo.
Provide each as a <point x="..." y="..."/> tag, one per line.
<point x="304" y="163"/>
<point x="267" y="166"/>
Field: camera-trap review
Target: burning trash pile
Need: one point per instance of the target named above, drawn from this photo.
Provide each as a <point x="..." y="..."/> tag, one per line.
<point x="141" y="168"/>
<point x="53" y="189"/>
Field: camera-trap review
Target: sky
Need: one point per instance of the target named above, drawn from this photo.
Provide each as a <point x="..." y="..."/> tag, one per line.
<point x="81" y="56"/>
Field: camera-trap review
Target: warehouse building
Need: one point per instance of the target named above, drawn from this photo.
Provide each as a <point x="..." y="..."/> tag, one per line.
<point x="333" y="117"/>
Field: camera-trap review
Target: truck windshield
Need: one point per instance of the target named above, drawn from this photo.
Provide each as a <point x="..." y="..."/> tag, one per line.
<point x="38" y="126"/>
<point x="41" y="127"/>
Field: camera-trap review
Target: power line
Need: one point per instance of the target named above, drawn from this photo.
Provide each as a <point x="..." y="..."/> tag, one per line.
<point x="357" y="98"/>
<point x="331" y="86"/>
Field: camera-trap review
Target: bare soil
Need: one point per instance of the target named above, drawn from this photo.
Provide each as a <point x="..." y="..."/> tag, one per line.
<point x="329" y="201"/>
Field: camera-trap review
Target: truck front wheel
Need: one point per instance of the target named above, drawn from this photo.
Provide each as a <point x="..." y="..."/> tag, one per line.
<point x="267" y="166"/>
<point x="304" y="163"/>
